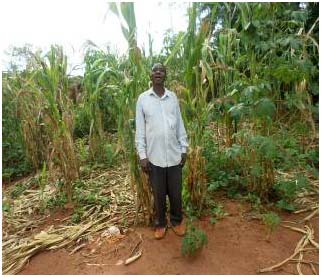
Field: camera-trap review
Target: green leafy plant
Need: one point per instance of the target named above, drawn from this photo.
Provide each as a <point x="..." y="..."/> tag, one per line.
<point x="77" y="214"/>
<point x="286" y="191"/>
<point x="57" y="201"/>
<point x="194" y="240"/>
<point x="255" y="201"/>
<point x="6" y="207"/>
<point x="285" y="205"/>
<point x="271" y="221"/>
<point x="218" y="211"/>
<point x="91" y="198"/>
<point x="18" y="190"/>
<point x="220" y="174"/>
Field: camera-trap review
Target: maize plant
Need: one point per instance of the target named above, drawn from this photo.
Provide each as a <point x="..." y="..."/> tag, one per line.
<point x="136" y="82"/>
<point x="47" y="117"/>
<point x="196" y="108"/>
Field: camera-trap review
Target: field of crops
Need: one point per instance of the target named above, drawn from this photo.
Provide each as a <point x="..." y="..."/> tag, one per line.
<point x="247" y="79"/>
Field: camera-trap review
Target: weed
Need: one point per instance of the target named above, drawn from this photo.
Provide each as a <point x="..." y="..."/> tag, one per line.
<point x="59" y="200"/>
<point x="271" y="221"/>
<point x="194" y="240"/>
<point x="79" y="184"/>
<point x="286" y="191"/>
<point x="6" y="207"/>
<point x="285" y="205"/>
<point x="255" y="201"/>
<point x="77" y="215"/>
<point x="91" y="198"/>
<point x="82" y="149"/>
<point x="110" y="155"/>
<point x="218" y="211"/>
<point x="18" y="190"/>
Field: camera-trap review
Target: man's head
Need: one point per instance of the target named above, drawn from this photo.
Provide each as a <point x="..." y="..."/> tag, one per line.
<point x="158" y="74"/>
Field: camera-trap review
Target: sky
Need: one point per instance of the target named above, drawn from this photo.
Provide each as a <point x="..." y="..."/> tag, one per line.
<point x="71" y="23"/>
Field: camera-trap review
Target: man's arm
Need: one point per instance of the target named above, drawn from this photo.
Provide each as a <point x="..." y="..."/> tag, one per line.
<point x="140" y="137"/>
<point x="181" y="134"/>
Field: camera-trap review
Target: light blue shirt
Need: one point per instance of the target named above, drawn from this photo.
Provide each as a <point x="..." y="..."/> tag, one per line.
<point x="160" y="132"/>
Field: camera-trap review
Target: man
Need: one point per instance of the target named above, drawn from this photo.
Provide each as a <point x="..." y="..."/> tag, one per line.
<point x="161" y="143"/>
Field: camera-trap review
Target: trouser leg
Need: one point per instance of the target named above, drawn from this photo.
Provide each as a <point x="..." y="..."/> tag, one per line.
<point x="158" y="182"/>
<point x="174" y="189"/>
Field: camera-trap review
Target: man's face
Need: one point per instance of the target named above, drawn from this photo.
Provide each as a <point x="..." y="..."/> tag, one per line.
<point x="158" y="74"/>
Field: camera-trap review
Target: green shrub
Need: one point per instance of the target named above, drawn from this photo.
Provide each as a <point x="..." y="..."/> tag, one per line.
<point x="285" y="205"/>
<point x="59" y="200"/>
<point x="222" y="170"/>
<point x="255" y="201"/>
<point x="286" y="191"/>
<point x="217" y="211"/>
<point x="194" y="240"/>
<point x="77" y="215"/>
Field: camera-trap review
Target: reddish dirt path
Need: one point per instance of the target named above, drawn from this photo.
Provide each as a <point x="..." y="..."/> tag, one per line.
<point x="236" y="245"/>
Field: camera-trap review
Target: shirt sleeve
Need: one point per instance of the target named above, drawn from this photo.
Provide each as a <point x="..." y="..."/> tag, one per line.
<point x="181" y="132"/>
<point x="140" y="136"/>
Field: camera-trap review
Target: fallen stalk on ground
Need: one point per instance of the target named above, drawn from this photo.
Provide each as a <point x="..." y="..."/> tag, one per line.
<point x="120" y="211"/>
<point x="308" y="238"/>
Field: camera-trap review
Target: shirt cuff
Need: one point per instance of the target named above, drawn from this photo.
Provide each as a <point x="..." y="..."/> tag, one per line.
<point x="142" y="155"/>
<point x="183" y="149"/>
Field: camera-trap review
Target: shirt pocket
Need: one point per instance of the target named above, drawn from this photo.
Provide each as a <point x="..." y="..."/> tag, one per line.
<point x="171" y="121"/>
<point x="149" y="112"/>
<point x="170" y="113"/>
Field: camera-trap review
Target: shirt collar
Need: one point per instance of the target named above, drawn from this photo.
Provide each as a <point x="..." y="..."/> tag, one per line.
<point x="152" y="92"/>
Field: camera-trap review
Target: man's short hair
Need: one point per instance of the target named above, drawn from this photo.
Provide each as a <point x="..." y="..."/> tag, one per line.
<point x="158" y="64"/>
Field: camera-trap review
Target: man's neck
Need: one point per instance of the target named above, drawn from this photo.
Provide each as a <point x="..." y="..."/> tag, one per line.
<point x="159" y="90"/>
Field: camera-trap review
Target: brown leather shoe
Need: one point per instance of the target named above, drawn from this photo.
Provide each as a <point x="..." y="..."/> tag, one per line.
<point x="160" y="233"/>
<point x="180" y="229"/>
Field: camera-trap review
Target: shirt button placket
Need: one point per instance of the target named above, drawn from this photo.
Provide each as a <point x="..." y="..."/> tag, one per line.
<point x="165" y="130"/>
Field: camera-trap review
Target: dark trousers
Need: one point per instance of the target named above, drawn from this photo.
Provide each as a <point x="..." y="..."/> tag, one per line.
<point x="167" y="181"/>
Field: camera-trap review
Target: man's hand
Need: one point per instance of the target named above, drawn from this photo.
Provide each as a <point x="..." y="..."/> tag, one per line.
<point x="183" y="161"/>
<point x="144" y="163"/>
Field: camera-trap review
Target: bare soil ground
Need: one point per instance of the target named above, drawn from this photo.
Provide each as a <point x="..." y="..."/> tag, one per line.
<point x="236" y="245"/>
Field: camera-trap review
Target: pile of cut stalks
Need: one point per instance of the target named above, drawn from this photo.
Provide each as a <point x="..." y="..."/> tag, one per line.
<point x="22" y="235"/>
